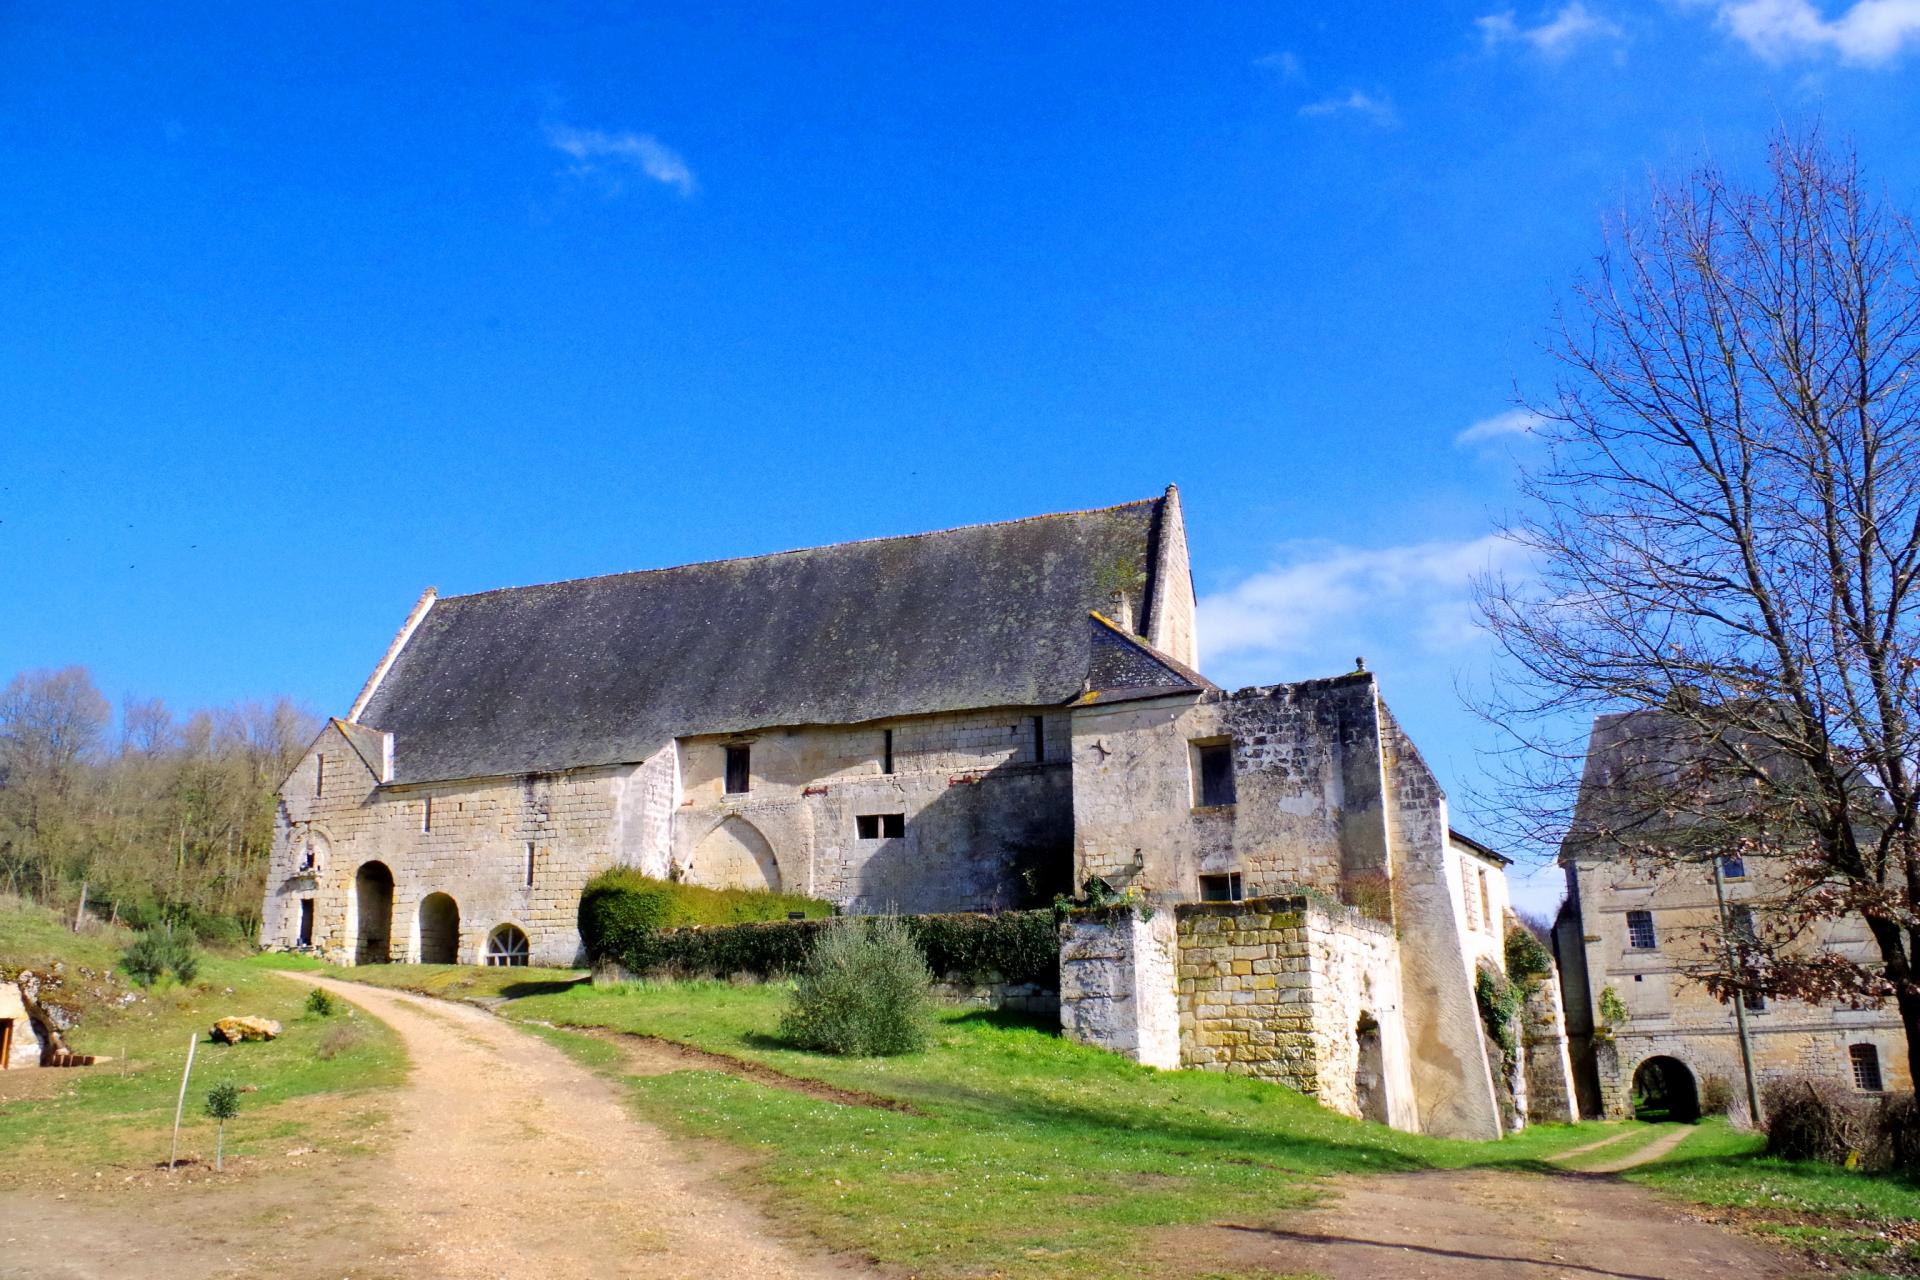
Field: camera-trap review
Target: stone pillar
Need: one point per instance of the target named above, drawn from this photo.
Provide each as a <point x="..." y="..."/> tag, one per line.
<point x="1543" y="1037"/>
<point x="1117" y="985"/>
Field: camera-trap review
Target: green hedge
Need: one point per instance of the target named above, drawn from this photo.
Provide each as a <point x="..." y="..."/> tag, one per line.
<point x="621" y="907"/>
<point x="1014" y="946"/>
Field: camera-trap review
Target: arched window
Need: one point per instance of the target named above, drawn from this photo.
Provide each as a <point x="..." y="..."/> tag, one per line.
<point x="507" y="945"/>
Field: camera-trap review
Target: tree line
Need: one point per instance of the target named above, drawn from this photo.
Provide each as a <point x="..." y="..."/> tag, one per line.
<point x="155" y="816"/>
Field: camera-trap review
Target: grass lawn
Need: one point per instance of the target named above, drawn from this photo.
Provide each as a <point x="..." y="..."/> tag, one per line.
<point x="120" y="1114"/>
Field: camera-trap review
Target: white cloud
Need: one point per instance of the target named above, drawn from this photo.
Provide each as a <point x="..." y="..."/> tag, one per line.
<point x="1284" y="62"/>
<point x="1369" y="108"/>
<point x="1320" y="606"/>
<point x="594" y="153"/>
<point x="1514" y="422"/>
<point x="1867" y="31"/>
<point x="1551" y="37"/>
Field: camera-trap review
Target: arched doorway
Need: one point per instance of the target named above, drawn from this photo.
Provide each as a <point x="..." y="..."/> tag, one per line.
<point x="373" y="903"/>
<point x="1664" y="1089"/>
<point x="734" y="855"/>
<point x="439" y="930"/>
<point x="507" y="945"/>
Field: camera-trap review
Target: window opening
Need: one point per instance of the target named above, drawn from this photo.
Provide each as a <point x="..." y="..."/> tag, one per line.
<point x="1733" y="866"/>
<point x="880" y="826"/>
<point x="507" y="947"/>
<point x="529" y="864"/>
<point x="319" y="775"/>
<point x="305" y="936"/>
<point x="1640" y="930"/>
<point x="1224" y="887"/>
<point x="426" y="814"/>
<point x="1039" y="739"/>
<point x="1866" y="1067"/>
<point x="739" y="769"/>
<point x="1486" y="903"/>
<point x="1213" y="769"/>
<point x="886" y="751"/>
<point x="1754" y="1001"/>
<point x="1467" y="896"/>
<point x="1740" y="923"/>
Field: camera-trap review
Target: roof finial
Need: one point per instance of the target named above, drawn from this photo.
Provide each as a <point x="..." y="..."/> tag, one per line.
<point x="1359" y="665"/>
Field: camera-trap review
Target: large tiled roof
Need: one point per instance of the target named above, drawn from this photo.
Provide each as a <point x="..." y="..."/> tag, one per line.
<point x="607" y="670"/>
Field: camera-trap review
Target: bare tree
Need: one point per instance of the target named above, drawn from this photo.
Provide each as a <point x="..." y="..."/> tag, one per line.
<point x="1726" y="534"/>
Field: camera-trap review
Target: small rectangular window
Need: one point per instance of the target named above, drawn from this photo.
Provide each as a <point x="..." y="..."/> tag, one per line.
<point x="886" y="751"/>
<point x="426" y="814"/>
<point x="880" y="826"/>
<point x="529" y="864"/>
<point x="1213" y="774"/>
<point x="739" y="769"/>
<point x="1224" y="887"/>
<point x="1486" y="904"/>
<point x="1866" y="1067"/>
<point x="319" y="775"/>
<point x="306" y="922"/>
<point x="1740" y="922"/>
<point x="1640" y="930"/>
<point x="1733" y="867"/>
<point x="1754" y="1002"/>
<point x="1039" y="739"/>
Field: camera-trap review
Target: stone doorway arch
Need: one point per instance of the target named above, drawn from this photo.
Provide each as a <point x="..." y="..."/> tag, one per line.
<point x="734" y="855"/>
<point x="1664" y="1089"/>
<point x="439" y="929"/>
<point x="373" y="907"/>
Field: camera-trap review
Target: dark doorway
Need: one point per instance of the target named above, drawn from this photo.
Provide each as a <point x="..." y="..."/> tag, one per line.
<point x="1370" y="1071"/>
<point x="1663" y="1089"/>
<point x="439" y="930"/>
<point x="305" y="935"/>
<point x="373" y="898"/>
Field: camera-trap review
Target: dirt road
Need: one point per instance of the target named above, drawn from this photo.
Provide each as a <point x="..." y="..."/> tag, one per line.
<point x="1490" y="1224"/>
<point x="508" y="1160"/>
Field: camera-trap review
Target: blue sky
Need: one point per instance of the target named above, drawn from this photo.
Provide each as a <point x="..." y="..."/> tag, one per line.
<point x="308" y="308"/>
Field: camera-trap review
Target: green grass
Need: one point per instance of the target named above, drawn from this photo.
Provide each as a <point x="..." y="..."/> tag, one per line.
<point x="1851" y="1220"/>
<point x="120" y="1114"/>
<point x="449" y="981"/>
<point x="1029" y="1154"/>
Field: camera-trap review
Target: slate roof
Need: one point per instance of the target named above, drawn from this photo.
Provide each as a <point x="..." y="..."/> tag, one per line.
<point x="1123" y="667"/>
<point x="607" y="670"/>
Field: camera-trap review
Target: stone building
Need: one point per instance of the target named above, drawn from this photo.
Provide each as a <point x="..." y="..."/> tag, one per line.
<point x="1628" y="936"/>
<point x="971" y="719"/>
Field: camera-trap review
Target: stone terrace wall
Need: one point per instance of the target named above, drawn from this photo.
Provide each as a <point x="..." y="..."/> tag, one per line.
<point x="1274" y="988"/>
<point x="1550" y="1091"/>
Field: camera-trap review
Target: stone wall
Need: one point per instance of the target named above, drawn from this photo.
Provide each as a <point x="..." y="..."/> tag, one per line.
<point x="1452" y="1075"/>
<point x="1549" y="1068"/>
<point x="1117" y="985"/>
<point x="1307" y="780"/>
<point x="980" y="808"/>
<point x="1306" y="995"/>
<point x="475" y="849"/>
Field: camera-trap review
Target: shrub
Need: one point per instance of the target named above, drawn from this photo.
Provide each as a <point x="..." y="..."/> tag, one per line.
<point x="1814" y="1118"/>
<point x="1716" y="1095"/>
<point x="158" y="951"/>
<point x="620" y="906"/>
<point x="320" y="1003"/>
<point x="1499" y="1002"/>
<point x="864" y="990"/>
<point x="1899" y="1133"/>
<point x="1014" y="946"/>
<point x="1527" y="957"/>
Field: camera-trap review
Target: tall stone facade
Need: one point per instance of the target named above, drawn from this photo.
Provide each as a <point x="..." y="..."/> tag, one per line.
<point x="1636" y="938"/>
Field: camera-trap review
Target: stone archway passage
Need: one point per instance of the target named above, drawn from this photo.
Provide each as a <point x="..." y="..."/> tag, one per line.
<point x="1664" y="1089"/>
<point x="373" y="903"/>
<point x="439" y="929"/>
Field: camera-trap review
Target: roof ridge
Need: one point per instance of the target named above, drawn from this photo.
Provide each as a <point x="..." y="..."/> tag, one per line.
<point x="800" y="551"/>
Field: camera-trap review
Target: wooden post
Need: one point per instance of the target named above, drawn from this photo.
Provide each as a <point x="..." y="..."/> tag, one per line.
<point x="180" y="1106"/>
